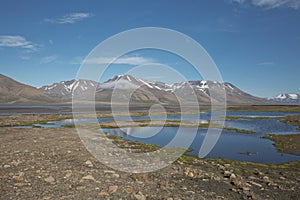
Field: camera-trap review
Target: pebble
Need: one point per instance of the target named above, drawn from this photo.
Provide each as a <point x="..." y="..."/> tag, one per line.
<point x="103" y="193"/>
<point x="246" y="189"/>
<point x="19" y="177"/>
<point x="68" y="175"/>
<point x="282" y="178"/>
<point x="190" y="174"/>
<point x="109" y="172"/>
<point x="80" y="188"/>
<point x="128" y="190"/>
<point x="236" y="182"/>
<point x="6" y="166"/>
<point x="227" y="173"/>
<point x="89" y="163"/>
<point x="226" y="165"/>
<point x="266" y="179"/>
<point x="19" y="184"/>
<point x="112" y="189"/>
<point x="255" y="184"/>
<point x="49" y="179"/>
<point x="116" y="176"/>
<point x="232" y="177"/>
<point x="139" y="196"/>
<point x="88" y="177"/>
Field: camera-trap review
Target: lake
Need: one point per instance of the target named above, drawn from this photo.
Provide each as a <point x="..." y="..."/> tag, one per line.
<point x="231" y="145"/>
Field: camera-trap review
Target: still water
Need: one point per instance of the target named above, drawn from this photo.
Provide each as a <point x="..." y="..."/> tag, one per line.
<point x="231" y="145"/>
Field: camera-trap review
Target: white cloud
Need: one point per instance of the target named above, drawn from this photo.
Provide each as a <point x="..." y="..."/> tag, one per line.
<point x="125" y="61"/>
<point x="295" y="4"/>
<point x="265" y="63"/>
<point x="48" y="59"/>
<point x="238" y="1"/>
<point x="277" y="3"/>
<point x="70" y="18"/>
<point x="16" y="41"/>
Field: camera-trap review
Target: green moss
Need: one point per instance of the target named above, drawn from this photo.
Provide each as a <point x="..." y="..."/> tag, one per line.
<point x="69" y="126"/>
<point x="239" y="130"/>
<point x="187" y="158"/>
<point x="287" y="143"/>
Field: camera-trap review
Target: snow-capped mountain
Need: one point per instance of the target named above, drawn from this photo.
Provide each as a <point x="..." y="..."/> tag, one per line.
<point x="125" y="87"/>
<point x="63" y="90"/>
<point x="287" y="98"/>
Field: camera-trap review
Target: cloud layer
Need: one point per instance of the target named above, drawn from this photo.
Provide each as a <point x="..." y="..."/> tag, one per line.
<point x="16" y="41"/>
<point x="125" y="61"/>
<point x="70" y="18"/>
<point x="295" y="4"/>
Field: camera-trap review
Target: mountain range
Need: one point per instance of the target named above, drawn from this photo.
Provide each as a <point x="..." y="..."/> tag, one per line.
<point x="145" y="91"/>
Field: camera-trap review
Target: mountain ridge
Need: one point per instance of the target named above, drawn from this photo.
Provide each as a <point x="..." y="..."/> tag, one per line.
<point x="13" y="92"/>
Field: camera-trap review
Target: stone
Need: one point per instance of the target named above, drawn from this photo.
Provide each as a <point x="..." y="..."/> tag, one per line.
<point x="116" y="176"/>
<point x="255" y="184"/>
<point x="232" y="177"/>
<point x="19" y="184"/>
<point x="139" y="196"/>
<point x="109" y="172"/>
<point x="49" y="179"/>
<point x="103" y="193"/>
<point x="112" y="189"/>
<point x="282" y="178"/>
<point x="80" y="188"/>
<point x="226" y="165"/>
<point x="266" y="179"/>
<point x="252" y="178"/>
<point x="246" y="189"/>
<point x="88" y="177"/>
<point x="190" y="174"/>
<point x="19" y="177"/>
<point x="6" y="166"/>
<point x="128" y="190"/>
<point x="89" y="163"/>
<point x="236" y="182"/>
<point x="68" y="175"/>
<point x="227" y="173"/>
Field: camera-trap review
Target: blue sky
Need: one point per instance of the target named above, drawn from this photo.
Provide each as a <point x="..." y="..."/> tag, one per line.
<point x="255" y="43"/>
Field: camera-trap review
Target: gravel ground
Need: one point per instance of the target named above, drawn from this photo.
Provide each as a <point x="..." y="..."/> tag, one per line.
<point x="54" y="164"/>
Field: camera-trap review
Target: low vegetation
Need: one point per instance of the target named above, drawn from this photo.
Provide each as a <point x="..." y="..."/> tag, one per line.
<point x="288" y="143"/>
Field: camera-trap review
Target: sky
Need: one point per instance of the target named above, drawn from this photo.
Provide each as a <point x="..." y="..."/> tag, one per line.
<point x="254" y="43"/>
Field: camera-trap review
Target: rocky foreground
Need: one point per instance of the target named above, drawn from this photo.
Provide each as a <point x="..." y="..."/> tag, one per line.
<point x="54" y="164"/>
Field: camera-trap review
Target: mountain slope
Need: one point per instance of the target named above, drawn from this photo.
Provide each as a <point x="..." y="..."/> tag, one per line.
<point x="124" y="87"/>
<point x="12" y="91"/>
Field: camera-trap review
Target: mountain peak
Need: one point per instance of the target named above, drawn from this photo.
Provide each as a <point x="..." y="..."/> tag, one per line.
<point x="287" y="98"/>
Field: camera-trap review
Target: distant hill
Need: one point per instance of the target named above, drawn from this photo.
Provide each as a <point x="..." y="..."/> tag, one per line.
<point x="12" y="91"/>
